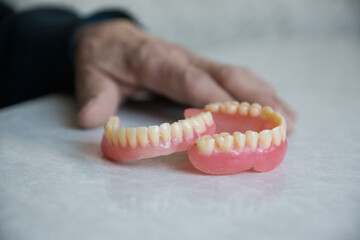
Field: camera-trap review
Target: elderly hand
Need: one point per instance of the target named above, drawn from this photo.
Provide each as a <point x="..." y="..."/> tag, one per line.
<point x="115" y="59"/>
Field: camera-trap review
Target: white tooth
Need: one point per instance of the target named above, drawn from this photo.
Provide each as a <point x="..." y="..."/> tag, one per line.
<point x="207" y="116"/>
<point x="205" y="146"/>
<point x="122" y="136"/>
<point x="113" y="122"/>
<point x="108" y="134"/>
<point x="229" y="107"/>
<point x="111" y="127"/>
<point x="224" y="142"/>
<point x="213" y="107"/>
<point x="142" y="136"/>
<point x="243" y="108"/>
<point x="266" y="112"/>
<point x="177" y="133"/>
<point x="283" y="132"/>
<point x="205" y="137"/>
<point x="252" y="139"/>
<point x="255" y="110"/>
<point x="265" y="137"/>
<point x="198" y="123"/>
<point x="278" y="118"/>
<point x="154" y="134"/>
<point x="276" y="136"/>
<point x="114" y="136"/>
<point x="165" y="132"/>
<point x="239" y="140"/>
<point x="187" y="128"/>
<point x="131" y="137"/>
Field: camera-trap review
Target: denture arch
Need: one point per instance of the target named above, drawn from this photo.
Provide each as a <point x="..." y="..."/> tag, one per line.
<point x="248" y="137"/>
<point x="130" y="144"/>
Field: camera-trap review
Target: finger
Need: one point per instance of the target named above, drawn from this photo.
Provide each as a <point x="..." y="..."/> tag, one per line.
<point x="186" y="83"/>
<point x="98" y="96"/>
<point x="245" y="86"/>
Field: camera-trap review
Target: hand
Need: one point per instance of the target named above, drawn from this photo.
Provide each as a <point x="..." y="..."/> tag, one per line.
<point x="115" y="59"/>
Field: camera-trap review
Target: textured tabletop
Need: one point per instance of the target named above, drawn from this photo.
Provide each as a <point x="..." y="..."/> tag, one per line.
<point x="55" y="184"/>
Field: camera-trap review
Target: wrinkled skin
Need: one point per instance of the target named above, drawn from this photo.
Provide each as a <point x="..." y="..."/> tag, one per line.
<point x="115" y="59"/>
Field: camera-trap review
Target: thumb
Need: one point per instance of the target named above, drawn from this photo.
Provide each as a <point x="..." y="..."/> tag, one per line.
<point x="98" y="97"/>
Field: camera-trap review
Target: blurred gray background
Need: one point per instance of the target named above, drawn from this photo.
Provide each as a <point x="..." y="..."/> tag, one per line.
<point x="201" y="24"/>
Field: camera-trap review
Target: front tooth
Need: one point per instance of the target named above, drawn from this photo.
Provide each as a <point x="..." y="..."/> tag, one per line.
<point x="207" y="116"/>
<point x="154" y="134"/>
<point x="239" y="140"/>
<point x="224" y="142"/>
<point x="198" y="123"/>
<point x="252" y="139"/>
<point x="122" y="136"/>
<point x="177" y="133"/>
<point x="243" y="108"/>
<point x="266" y="112"/>
<point x="142" y="136"/>
<point x="205" y="146"/>
<point x="213" y="107"/>
<point x="131" y="137"/>
<point x="187" y="128"/>
<point x="165" y="132"/>
<point x="265" y="137"/>
<point x="255" y="110"/>
<point x="276" y="135"/>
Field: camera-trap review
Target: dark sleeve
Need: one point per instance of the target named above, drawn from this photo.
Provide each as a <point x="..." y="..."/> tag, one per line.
<point x="36" y="50"/>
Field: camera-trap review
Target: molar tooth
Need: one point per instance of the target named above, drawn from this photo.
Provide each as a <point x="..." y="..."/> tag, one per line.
<point x="177" y="133"/>
<point x="239" y="140"/>
<point x="243" y="108"/>
<point x="278" y="118"/>
<point x="265" y="137"/>
<point x="108" y="134"/>
<point x="224" y="142"/>
<point x="154" y="134"/>
<point x="131" y="137"/>
<point x="283" y="132"/>
<point x="187" y="128"/>
<point x="213" y="107"/>
<point x="207" y="118"/>
<point x="121" y="132"/>
<point x="142" y="136"/>
<point x="252" y="139"/>
<point x="165" y="132"/>
<point x="114" y="136"/>
<point x="266" y="112"/>
<point x="111" y="127"/>
<point x="255" y="110"/>
<point x="198" y="123"/>
<point x="205" y="146"/>
<point x="229" y="107"/>
<point x="276" y="135"/>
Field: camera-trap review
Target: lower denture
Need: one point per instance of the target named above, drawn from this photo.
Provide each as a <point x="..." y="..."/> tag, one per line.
<point x="131" y="144"/>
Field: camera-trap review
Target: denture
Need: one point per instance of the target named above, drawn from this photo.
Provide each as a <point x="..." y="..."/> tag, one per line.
<point x="247" y="137"/>
<point x="131" y="144"/>
<point x="222" y="138"/>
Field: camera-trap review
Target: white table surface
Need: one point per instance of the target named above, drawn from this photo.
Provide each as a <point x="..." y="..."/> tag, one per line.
<point x="55" y="184"/>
